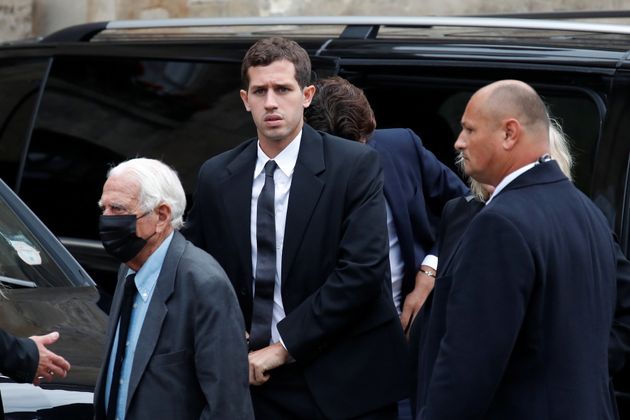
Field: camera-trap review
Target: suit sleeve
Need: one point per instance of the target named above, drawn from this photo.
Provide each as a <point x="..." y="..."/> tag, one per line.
<point x="439" y="183"/>
<point x="18" y="357"/>
<point x="482" y="307"/>
<point x="358" y="279"/>
<point x="619" y="348"/>
<point x="193" y="228"/>
<point x="221" y="351"/>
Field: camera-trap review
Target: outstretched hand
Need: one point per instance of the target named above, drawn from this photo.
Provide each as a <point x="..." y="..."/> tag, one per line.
<point x="50" y="364"/>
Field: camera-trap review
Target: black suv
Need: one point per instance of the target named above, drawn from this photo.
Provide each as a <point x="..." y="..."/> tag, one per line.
<point x="89" y="96"/>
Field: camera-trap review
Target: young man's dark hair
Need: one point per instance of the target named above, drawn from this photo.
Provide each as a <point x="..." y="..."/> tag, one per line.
<point x="341" y="108"/>
<point x="268" y="50"/>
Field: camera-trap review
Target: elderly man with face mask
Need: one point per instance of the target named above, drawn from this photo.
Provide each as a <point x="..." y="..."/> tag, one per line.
<point x="176" y="345"/>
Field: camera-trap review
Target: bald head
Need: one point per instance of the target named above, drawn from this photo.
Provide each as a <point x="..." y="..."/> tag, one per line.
<point x="505" y="126"/>
<point x="515" y="99"/>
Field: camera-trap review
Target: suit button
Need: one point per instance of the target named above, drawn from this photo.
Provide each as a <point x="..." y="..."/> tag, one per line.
<point x="243" y="291"/>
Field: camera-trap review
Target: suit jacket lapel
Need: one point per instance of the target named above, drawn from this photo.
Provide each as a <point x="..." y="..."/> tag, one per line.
<point x="156" y="313"/>
<point x="306" y="188"/>
<point x="114" y="314"/>
<point x="236" y="194"/>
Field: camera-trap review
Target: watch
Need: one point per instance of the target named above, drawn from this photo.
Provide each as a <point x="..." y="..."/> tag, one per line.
<point x="430" y="273"/>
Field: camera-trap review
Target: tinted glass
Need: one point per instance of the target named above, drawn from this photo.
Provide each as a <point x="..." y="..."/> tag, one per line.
<point x="24" y="261"/>
<point x="98" y="112"/>
<point x="20" y="81"/>
<point x="434" y="109"/>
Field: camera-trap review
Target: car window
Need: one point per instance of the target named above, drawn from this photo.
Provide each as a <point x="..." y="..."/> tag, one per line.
<point x="20" y="81"/>
<point x="97" y="112"/>
<point x="24" y="261"/>
<point x="434" y="109"/>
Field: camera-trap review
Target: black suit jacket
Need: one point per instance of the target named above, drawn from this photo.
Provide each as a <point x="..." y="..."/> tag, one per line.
<point x="340" y="325"/>
<point x="191" y="357"/>
<point x="417" y="186"/>
<point x="620" y="336"/>
<point x="456" y="217"/>
<point x="18" y="359"/>
<point x="521" y="315"/>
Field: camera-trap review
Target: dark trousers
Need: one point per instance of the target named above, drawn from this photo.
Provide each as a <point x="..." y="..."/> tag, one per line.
<point x="285" y="396"/>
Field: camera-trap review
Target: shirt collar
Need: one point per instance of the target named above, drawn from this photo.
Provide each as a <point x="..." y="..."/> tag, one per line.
<point x="286" y="159"/>
<point x="147" y="276"/>
<point x="509" y="178"/>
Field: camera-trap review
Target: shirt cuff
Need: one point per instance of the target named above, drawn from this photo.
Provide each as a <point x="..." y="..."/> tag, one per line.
<point x="431" y="261"/>
<point x="291" y="359"/>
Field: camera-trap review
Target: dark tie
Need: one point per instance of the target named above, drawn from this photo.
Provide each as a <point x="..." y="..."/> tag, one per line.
<point x="265" y="262"/>
<point x="125" y="316"/>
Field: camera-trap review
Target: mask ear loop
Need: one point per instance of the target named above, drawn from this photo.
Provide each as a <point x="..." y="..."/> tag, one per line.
<point x="149" y="212"/>
<point x="153" y="234"/>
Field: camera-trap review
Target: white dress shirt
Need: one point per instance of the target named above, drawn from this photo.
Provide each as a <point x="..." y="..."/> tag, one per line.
<point x="396" y="263"/>
<point x="509" y="178"/>
<point x="282" y="179"/>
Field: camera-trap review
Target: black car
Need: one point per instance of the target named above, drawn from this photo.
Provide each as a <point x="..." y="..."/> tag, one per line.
<point x="93" y="95"/>
<point x="44" y="289"/>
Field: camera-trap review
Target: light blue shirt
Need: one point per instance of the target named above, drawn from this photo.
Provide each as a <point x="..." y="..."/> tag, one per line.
<point x="146" y="279"/>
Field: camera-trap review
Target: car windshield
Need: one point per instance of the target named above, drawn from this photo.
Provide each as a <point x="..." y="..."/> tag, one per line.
<point x="24" y="262"/>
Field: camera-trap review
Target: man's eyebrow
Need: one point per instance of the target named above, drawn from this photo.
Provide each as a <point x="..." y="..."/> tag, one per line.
<point x="285" y="84"/>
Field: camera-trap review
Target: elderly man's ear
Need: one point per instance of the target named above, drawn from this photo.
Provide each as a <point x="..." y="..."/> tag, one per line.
<point x="164" y="217"/>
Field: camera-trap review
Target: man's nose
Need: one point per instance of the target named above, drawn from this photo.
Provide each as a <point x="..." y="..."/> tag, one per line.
<point x="459" y="142"/>
<point x="270" y="100"/>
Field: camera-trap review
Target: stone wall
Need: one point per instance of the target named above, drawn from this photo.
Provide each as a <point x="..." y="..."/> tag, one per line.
<point x="16" y="18"/>
<point x="21" y="19"/>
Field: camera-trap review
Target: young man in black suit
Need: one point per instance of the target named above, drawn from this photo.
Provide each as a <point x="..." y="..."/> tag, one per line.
<point x="325" y="339"/>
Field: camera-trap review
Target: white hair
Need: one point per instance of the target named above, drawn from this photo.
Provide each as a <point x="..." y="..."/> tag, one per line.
<point x="559" y="147"/>
<point x="159" y="184"/>
<point x="559" y="150"/>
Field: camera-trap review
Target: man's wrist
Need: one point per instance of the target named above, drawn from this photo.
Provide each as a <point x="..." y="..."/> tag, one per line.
<point x="428" y="271"/>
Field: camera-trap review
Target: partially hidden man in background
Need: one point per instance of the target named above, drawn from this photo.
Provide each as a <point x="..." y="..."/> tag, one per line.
<point x="522" y="310"/>
<point x="416" y="187"/>
<point x="297" y="219"/>
<point x="175" y="346"/>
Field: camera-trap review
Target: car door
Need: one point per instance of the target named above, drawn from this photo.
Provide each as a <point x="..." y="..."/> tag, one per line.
<point x="44" y="289"/>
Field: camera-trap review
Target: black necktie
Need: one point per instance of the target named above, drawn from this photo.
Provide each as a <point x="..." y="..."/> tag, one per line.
<point x="125" y="316"/>
<point x="265" y="262"/>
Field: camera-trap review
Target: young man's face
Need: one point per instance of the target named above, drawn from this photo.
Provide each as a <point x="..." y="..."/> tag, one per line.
<point x="276" y="103"/>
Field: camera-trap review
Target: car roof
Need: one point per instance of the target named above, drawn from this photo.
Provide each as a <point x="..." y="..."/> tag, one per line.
<point x="512" y="29"/>
<point x="533" y="39"/>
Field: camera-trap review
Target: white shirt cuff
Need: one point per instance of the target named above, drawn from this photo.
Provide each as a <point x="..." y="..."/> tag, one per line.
<point x="431" y="261"/>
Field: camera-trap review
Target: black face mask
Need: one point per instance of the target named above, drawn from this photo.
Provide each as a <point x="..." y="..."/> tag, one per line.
<point x="118" y="234"/>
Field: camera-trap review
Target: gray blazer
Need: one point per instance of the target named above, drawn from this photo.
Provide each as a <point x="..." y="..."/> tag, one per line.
<point x="191" y="358"/>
